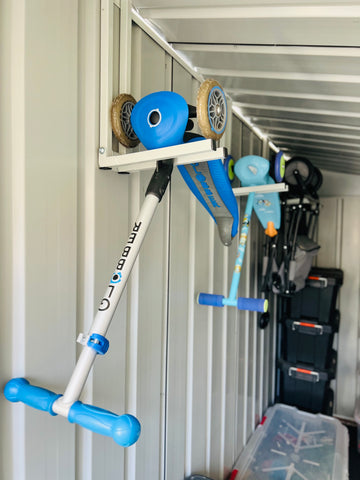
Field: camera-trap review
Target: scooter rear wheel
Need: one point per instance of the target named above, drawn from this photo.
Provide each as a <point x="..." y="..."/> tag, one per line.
<point x="317" y="179"/>
<point x="211" y="109"/>
<point x="121" y="109"/>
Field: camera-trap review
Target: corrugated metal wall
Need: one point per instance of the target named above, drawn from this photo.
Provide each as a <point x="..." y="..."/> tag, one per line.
<point x="339" y="238"/>
<point x="198" y="379"/>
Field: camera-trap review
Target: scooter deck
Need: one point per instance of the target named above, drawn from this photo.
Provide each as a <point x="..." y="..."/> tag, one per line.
<point x="254" y="170"/>
<point x="210" y="184"/>
<point x="267" y="208"/>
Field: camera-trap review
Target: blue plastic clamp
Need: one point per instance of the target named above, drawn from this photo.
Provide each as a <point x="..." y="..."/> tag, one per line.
<point x="99" y="343"/>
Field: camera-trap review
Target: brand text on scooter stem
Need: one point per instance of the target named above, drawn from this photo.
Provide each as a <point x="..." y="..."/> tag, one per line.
<point x="117" y="276"/>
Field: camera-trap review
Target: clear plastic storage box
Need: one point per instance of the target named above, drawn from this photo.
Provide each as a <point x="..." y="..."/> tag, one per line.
<point x="291" y="445"/>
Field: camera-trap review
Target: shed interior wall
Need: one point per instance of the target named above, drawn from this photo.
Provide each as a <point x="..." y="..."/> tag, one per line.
<point x="199" y="379"/>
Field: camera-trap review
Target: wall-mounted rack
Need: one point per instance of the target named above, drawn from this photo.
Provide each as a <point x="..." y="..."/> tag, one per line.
<point x="183" y="154"/>
<point x="194" y="152"/>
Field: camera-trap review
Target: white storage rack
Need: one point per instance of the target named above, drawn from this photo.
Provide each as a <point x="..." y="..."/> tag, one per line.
<point x="126" y="162"/>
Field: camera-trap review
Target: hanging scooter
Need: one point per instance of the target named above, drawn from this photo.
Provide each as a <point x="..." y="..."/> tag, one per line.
<point x="300" y="215"/>
<point x="251" y="171"/>
<point x="268" y="210"/>
<point x="158" y="120"/>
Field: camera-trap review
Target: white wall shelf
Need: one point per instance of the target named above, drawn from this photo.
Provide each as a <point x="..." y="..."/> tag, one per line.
<point x="275" y="187"/>
<point x="201" y="151"/>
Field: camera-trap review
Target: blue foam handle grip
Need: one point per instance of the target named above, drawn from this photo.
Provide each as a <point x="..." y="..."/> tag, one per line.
<point x="211" y="299"/>
<point x="124" y="429"/>
<point x="252" y="304"/>
<point x="20" y="390"/>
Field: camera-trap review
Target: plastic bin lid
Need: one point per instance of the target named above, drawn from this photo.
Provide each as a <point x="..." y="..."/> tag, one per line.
<point x="293" y="444"/>
<point x="334" y="274"/>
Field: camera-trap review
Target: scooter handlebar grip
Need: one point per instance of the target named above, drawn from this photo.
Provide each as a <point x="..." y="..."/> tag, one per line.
<point x="20" y="390"/>
<point x="124" y="429"/>
<point x="252" y="304"/>
<point x="210" y="299"/>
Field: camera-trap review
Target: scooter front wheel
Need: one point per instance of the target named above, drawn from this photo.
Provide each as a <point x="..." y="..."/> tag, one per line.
<point x="121" y="109"/>
<point x="279" y="167"/>
<point x="303" y="167"/>
<point x="211" y="109"/>
<point x="229" y="168"/>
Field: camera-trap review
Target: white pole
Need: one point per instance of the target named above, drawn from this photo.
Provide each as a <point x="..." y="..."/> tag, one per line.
<point x="108" y="305"/>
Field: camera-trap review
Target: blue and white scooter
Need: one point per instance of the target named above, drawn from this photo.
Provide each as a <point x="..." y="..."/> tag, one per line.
<point x="157" y="120"/>
<point x="251" y="170"/>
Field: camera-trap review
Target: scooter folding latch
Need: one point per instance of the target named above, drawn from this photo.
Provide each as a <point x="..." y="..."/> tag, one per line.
<point x="99" y="343"/>
<point x="96" y="341"/>
<point x="82" y="339"/>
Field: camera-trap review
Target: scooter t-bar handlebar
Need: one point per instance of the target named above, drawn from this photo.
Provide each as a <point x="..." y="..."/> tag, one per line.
<point x="124" y="429"/>
<point x="242" y="303"/>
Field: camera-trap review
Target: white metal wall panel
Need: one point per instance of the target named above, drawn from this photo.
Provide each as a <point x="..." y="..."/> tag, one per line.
<point x="191" y="374"/>
<point x="41" y="236"/>
<point x="148" y="291"/>
<point x="12" y="225"/>
<point x="339" y="233"/>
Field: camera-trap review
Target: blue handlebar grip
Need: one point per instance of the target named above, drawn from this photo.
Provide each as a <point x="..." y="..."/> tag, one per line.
<point x="252" y="304"/>
<point x="124" y="429"/>
<point x="20" y="390"/>
<point x="210" y="299"/>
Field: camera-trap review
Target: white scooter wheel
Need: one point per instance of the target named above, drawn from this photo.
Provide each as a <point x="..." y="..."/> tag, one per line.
<point x="121" y="109"/>
<point x="211" y="109"/>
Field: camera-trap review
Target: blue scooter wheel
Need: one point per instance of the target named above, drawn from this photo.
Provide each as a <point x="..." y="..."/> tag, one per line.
<point x="121" y="109"/>
<point x="229" y="168"/>
<point x="211" y="109"/>
<point x="279" y="168"/>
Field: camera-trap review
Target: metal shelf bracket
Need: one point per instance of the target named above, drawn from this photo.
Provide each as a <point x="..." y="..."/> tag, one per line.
<point x="194" y="152"/>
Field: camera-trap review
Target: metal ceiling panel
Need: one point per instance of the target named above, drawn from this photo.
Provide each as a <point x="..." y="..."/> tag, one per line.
<point x="292" y="68"/>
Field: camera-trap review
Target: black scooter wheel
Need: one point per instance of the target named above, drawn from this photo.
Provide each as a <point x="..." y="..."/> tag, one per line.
<point x="121" y="109"/>
<point x="301" y="165"/>
<point x="264" y="320"/>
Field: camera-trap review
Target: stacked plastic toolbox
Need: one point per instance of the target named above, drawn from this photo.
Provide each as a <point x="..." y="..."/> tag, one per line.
<point x="307" y="360"/>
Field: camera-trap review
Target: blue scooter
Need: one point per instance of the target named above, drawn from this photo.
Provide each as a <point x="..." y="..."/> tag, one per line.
<point x="158" y="120"/>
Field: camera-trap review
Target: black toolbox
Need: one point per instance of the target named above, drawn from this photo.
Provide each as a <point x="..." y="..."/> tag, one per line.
<point x="307" y="387"/>
<point x="308" y="342"/>
<point x="317" y="300"/>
